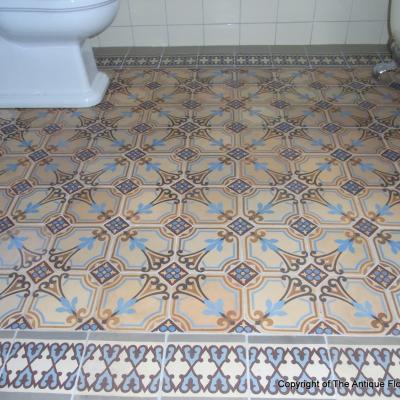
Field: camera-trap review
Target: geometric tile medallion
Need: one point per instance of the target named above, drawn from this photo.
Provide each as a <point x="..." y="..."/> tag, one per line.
<point x="116" y="225"/>
<point x="40" y="271"/>
<point x="57" y="225"/>
<point x="382" y="276"/>
<point x="313" y="275"/>
<point x="104" y="272"/>
<point x="303" y="226"/>
<point x="243" y="274"/>
<point x="240" y="226"/>
<point x="173" y="273"/>
<point x="178" y="225"/>
<point x="366" y="227"/>
<point x="352" y="187"/>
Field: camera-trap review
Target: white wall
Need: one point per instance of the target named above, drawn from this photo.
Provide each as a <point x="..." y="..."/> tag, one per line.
<point x="246" y="22"/>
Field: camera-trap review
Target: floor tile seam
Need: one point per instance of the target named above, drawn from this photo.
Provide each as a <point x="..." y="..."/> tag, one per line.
<point x="163" y="366"/>
<point x="80" y="368"/>
<point x="332" y="371"/>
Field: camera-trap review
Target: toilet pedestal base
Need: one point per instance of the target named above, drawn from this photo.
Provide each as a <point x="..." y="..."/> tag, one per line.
<point x="49" y="76"/>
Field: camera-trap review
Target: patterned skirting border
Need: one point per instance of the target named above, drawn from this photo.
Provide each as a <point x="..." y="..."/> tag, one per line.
<point x="238" y="60"/>
<point x="73" y="364"/>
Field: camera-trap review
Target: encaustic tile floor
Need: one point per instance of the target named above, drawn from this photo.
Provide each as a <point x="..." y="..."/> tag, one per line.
<point x="241" y="201"/>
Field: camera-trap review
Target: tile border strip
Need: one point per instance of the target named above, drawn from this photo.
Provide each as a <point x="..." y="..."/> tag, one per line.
<point x="240" y="57"/>
<point x="114" y="354"/>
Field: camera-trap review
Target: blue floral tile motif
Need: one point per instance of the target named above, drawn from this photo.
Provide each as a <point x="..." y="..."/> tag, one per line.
<point x="243" y="274"/>
<point x="238" y="153"/>
<point x="353" y="187"/>
<point x="135" y="154"/>
<point x="142" y="128"/>
<point x="378" y="128"/>
<point x="116" y="225"/>
<point x="182" y="186"/>
<point x="104" y="272"/>
<point x="391" y="155"/>
<point x="38" y="155"/>
<point x="240" y="226"/>
<point x="296" y="186"/>
<point x="21" y="187"/>
<point x="382" y="276"/>
<point x="332" y="128"/>
<point x="290" y="154"/>
<point x="186" y="154"/>
<point x="85" y="154"/>
<point x="236" y="127"/>
<point x="366" y="227"/>
<point x="341" y="154"/>
<point x="173" y="273"/>
<point x="303" y="226"/>
<point x="126" y="186"/>
<point x="239" y="186"/>
<point x="40" y="271"/>
<point x="284" y="127"/>
<point x="313" y="275"/>
<point x="57" y="225"/>
<point x="178" y="226"/>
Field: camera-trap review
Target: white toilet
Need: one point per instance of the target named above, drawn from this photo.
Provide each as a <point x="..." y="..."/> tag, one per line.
<point x="45" y="60"/>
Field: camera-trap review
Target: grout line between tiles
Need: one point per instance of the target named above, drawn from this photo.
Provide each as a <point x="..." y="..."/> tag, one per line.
<point x="80" y="366"/>
<point x="161" y="58"/>
<point x="162" y="367"/>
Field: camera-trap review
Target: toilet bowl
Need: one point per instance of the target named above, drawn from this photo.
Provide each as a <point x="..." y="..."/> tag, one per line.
<point x="45" y="59"/>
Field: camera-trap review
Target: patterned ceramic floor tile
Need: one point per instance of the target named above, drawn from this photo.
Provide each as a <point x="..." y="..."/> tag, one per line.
<point x="216" y="199"/>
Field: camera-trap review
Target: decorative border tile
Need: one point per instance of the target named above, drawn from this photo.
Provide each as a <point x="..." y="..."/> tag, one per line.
<point x="189" y="366"/>
<point x="242" y="56"/>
